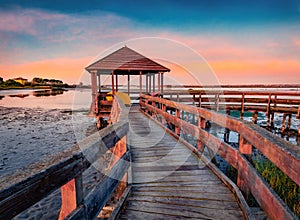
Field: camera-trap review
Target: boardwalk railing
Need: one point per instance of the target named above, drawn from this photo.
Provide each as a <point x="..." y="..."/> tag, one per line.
<point x="21" y="190"/>
<point x="284" y="155"/>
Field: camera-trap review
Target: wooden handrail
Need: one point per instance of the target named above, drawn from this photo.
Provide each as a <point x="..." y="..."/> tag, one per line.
<point x="21" y="190"/>
<point x="284" y="155"/>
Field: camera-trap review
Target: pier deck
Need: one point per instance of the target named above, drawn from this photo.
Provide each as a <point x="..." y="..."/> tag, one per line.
<point x="169" y="181"/>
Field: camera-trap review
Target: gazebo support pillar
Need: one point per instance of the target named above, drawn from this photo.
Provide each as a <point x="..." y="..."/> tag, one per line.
<point x="94" y="92"/>
<point x="150" y="84"/>
<point x="99" y="82"/>
<point x="162" y="83"/>
<point x="147" y="86"/>
<point x="113" y="82"/>
<point x="128" y="84"/>
<point x="117" y="86"/>
<point x="158" y="82"/>
<point x="141" y="83"/>
<point x="153" y="82"/>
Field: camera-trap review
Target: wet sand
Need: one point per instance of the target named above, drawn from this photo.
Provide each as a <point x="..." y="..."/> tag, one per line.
<point x="28" y="135"/>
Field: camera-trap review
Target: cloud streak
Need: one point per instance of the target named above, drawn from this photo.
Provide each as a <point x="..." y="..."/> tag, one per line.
<point x="61" y="45"/>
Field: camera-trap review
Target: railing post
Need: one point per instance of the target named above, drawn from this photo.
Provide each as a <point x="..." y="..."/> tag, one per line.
<point x="242" y="106"/>
<point x="164" y="108"/>
<point x="79" y="190"/>
<point x="154" y="105"/>
<point x="68" y="199"/>
<point x="118" y="151"/>
<point x="202" y="123"/>
<point x="268" y="113"/>
<point x="177" y="129"/>
<point x="217" y="102"/>
<point x="244" y="148"/>
<point x="200" y="100"/>
<point x="200" y="144"/>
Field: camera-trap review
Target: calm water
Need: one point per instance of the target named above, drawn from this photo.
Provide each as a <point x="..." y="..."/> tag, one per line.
<point x="70" y="99"/>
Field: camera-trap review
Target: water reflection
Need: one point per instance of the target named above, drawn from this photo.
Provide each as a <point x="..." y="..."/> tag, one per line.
<point x="48" y="92"/>
<point x="46" y="98"/>
<point x="19" y="95"/>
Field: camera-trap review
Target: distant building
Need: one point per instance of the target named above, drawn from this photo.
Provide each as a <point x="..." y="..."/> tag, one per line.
<point x="21" y="80"/>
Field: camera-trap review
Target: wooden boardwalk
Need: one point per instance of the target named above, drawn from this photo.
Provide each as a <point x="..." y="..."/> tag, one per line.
<point x="169" y="181"/>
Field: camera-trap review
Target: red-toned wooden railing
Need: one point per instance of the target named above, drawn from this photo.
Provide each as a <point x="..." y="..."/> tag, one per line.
<point x="284" y="155"/>
<point x="21" y="190"/>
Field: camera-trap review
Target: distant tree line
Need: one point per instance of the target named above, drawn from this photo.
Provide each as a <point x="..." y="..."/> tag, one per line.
<point x="36" y="81"/>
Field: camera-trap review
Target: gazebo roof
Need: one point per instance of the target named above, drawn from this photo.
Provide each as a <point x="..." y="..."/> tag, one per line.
<point x="126" y="61"/>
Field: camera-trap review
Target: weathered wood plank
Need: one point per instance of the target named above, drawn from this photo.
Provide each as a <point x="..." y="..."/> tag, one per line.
<point x="212" y="204"/>
<point x="169" y="181"/>
<point x="185" y="211"/>
<point x="135" y="214"/>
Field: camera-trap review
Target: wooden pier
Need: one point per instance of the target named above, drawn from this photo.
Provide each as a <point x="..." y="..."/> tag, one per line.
<point x="154" y="173"/>
<point x="169" y="181"/>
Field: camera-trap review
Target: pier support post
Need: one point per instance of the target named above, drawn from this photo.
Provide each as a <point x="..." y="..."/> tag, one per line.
<point x="227" y="131"/>
<point x="254" y="117"/>
<point x="272" y="120"/>
<point x="200" y="100"/>
<point x="283" y="123"/>
<point x="289" y="121"/>
<point x="244" y="148"/>
<point x="242" y="107"/>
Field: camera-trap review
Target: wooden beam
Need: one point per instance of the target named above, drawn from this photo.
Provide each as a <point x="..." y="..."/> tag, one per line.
<point x="158" y="82"/>
<point x="113" y="82"/>
<point x="141" y="83"/>
<point x="117" y="83"/>
<point x="128" y="84"/>
<point x="162" y="84"/>
<point x="99" y="82"/>
<point x="147" y="83"/>
<point x="94" y="92"/>
<point x="153" y="82"/>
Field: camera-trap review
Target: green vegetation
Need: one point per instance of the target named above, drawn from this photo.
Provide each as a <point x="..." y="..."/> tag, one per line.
<point x="11" y="84"/>
<point x="287" y="189"/>
<point x="35" y="83"/>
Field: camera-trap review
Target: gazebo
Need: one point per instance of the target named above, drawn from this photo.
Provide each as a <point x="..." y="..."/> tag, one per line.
<point x="125" y="61"/>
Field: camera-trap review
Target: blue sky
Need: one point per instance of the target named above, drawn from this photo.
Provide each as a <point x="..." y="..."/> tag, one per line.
<point x="229" y="34"/>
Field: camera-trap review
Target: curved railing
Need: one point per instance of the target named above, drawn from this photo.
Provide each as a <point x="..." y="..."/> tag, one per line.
<point x="284" y="155"/>
<point x="21" y="190"/>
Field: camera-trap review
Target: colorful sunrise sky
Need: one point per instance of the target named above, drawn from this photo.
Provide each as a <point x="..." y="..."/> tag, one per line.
<point x="245" y="42"/>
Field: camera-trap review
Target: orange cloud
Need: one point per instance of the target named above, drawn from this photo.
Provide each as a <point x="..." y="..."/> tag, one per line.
<point x="266" y="71"/>
<point x="66" y="69"/>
